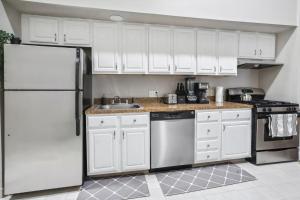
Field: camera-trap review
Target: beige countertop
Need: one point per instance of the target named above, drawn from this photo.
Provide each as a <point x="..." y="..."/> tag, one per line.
<point x="161" y="107"/>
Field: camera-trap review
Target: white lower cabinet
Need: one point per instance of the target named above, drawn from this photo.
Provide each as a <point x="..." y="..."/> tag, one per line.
<point x="125" y="146"/>
<point x="135" y="149"/>
<point x="236" y="140"/>
<point x="103" y="151"/>
<point x="222" y="135"/>
<point x="208" y="136"/>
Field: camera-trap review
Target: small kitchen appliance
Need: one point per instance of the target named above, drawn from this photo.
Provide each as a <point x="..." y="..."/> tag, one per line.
<point x="201" y="90"/>
<point x="219" y="94"/>
<point x="170" y="99"/>
<point x="265" y="148"/>
<point x="190" y="92"/>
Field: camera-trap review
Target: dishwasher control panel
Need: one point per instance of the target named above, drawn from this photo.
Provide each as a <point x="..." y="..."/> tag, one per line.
<point x="172" y="115"/>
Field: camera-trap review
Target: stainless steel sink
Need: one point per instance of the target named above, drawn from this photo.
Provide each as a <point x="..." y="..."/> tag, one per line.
<point x="120" y="106"/>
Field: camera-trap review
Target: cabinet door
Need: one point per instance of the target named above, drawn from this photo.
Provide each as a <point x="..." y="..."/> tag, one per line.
<point x="102" y="151"/>
<point x="207" y="60"/>
<point x="266" y="45"/>
<point x="76" y="32"/>
<point x="135" y="149"/>
<point x="134" y="46"/>
<point x="248" y="45"/>
<point x="184" y="51"/>
<point x="159" y="50"/>
<point x="227" y="50"/>
<point x="43" y="30"/>
<point x="236" y="140"/>
<point x="105" y="47"/>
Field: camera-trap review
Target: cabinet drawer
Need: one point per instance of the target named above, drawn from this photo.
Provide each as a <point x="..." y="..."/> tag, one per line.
<point x="207" y="156"/>
<point x="208" y="116"/>
<point x="134" y="120"/>
<point x="208" y="145"/>
<point x="208" y="130"/>
<point x="236" y="115"/>
<point x="102" y="122"/>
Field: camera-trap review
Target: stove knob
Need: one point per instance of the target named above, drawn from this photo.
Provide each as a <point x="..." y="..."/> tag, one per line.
<point x="264" y="110"/>
<point x="269" y="109"/>
<point x="294" y="108"/>
<point x="288" y="109"/>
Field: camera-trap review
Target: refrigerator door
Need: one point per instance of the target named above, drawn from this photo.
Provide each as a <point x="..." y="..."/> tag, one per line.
<point x="41" y="68"/>
<point x="42" y="148"/>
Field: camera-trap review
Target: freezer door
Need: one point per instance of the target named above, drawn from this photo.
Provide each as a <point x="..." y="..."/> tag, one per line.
<point x="42" y="148"/>
<point x="40" y="67"/>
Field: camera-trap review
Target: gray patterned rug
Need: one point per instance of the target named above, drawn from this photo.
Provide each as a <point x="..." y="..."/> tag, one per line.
<point x="201" y="178"/>
<point x="123" y="187"/>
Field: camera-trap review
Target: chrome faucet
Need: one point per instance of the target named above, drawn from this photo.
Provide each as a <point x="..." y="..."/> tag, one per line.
<point x="116" y="99"/>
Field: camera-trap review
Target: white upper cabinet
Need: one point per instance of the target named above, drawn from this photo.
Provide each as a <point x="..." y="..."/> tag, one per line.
<point x="228" y="51"/>
<point x="42" y="29"/>
<point x="76" y="32"/>
<point x="159" y="50"/>
<point x="257" y="45"/>
<point x="134" y="49"/>
<point x="207" y="60"/>
<point x="135" y="149"/>
<point x="105" y="48"/>
<point x="55" y="31"/>
<point x="184" y="51"/>
<point x="248" y="45"/>
<point x="266" y="45"/>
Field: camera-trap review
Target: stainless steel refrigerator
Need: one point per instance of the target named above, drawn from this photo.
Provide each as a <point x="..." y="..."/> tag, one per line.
<point x="45" y="92"/>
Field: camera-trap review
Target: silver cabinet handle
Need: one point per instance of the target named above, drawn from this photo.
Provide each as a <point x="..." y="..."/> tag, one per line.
<point x="208" y="146"/>
<point x="169" y="67"/>
<point x="260" y="52"/>
<point x="221" y="68"/>
<point x="224" y="127"/>
<point x="114" y="135"/>
<point x="215" y="69"/>
<point x="116" y="66"/>
<point x="208" y="156"/>
<point x="123" y="135"/>
<point x="208" y="117"/>
<point x="102" y="121"/>
<point x="134" y="120"/>
<point x="255" y="52"/>
<point x="123" y="66"/>
<point x="238" y="115"/>
<point x="55" y="37"/>
<point x="208" y="130"/>
<point x="65" y="39"/>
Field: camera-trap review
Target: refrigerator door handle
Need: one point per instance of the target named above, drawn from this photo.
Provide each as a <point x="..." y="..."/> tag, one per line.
<point x="79" y="69"/>
<point x="78" y="111"/>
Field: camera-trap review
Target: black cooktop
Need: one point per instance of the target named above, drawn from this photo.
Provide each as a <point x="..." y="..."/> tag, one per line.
<point x="269" y="103"/>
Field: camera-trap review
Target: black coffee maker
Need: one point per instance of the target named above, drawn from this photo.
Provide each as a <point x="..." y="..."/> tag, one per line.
<point x="201" y="91"/>
<point x="190" y="90"/>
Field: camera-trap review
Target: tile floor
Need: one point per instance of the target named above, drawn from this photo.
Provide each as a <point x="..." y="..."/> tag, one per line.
<point x="274" y="182"/>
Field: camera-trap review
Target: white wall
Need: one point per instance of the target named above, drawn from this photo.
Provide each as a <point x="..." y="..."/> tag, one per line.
<point x="139" y="85"/>
<point x="10" y="19"/>
<point x="257" y="11"/>
<point x="283" y="83"/>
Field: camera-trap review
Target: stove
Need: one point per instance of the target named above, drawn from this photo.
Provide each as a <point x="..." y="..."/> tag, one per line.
<point x="266" y="149"/>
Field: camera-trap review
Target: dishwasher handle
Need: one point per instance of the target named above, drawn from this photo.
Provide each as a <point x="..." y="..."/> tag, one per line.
<point x="158" y="116"/>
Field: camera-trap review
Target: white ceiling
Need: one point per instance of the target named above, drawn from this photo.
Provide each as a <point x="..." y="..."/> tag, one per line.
<point x="29" y="7"/>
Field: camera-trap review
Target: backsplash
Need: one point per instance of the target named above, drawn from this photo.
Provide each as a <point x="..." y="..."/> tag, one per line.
<point x="139" y="85"/>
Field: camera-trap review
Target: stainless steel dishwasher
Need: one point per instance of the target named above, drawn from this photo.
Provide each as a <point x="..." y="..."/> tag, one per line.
<point x="172" y="138"/>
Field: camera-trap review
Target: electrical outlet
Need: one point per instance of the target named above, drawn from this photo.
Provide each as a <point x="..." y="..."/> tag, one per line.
<point x="153" y="93"/>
